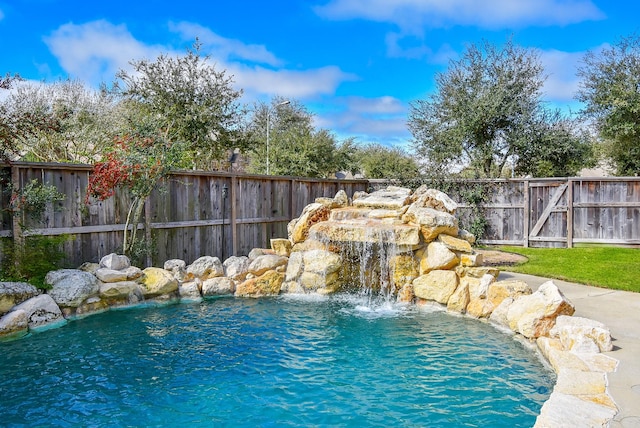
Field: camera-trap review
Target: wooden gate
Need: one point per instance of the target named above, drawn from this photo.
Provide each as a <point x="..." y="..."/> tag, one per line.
<point x="549" y="215"/>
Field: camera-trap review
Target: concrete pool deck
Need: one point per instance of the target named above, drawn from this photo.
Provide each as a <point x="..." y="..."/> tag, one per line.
<point x="620" y="312"/>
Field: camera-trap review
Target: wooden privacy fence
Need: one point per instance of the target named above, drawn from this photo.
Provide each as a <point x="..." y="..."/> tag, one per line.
<point x="191" y="215"/>
<point x="559" y="212"/>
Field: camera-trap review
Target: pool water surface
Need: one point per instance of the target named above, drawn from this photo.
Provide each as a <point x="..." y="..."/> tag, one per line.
<point x="274" y="362"/>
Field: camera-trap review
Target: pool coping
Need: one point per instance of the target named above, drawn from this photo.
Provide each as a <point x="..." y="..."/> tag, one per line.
<point x="620" y="312"/>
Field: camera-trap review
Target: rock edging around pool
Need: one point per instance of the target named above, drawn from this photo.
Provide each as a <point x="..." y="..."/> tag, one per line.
<point x="334" y="242"/>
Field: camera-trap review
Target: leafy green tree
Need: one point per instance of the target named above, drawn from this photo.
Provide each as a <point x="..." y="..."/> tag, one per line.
<point x="63" y="121"/>
<point x="294" y="146"/>
<point x="610" y="89"/>
<point x="186" y="99"/>
<point x="378" y="161"/>
<point x="487" y="113"/>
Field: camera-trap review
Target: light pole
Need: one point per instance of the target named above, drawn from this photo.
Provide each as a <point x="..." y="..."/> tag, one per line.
<point x="268" y="126"/>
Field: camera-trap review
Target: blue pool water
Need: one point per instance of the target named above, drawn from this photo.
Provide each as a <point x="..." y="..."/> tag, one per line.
<point x="278" y="362"/>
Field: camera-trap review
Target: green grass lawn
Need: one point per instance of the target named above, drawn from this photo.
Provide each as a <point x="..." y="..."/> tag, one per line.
<point x="608" y="267"/>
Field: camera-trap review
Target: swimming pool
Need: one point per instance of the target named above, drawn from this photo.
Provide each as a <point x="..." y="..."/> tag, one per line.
<point x="286" y="361"/>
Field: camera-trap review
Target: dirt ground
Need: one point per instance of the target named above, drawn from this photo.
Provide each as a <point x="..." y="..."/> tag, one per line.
<point x="500" y="258"/>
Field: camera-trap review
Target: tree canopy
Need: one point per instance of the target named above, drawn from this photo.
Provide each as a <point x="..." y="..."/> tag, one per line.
<point x="488" y="113"/>
<point x="610" y="89"/>
<point x="295" y="146"/>
<point x="188" y="101"/>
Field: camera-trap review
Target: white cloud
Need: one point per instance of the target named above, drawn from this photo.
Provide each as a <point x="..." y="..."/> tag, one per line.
<point x="258" y="81"/>
<point x="413" y="15"/>
<point x="223" y="48"/>
<point x="95" y="51"/>
<point x="561" y="67"/>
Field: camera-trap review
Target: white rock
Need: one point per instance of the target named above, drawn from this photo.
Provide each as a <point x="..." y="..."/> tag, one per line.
<point x="582" y="334"/>
<point x="110" y="275"/>
<point x="115" y="261"/>
<point x="204" y="268"/>
<point x="221" y="286"/>
<point x="236" y="267"/>
<point x="41" y="310"/>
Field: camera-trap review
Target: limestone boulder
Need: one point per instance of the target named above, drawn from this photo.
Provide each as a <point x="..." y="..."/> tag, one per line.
<point x="204" y="267"/>
<point x="115" y="261"/>
<point x="257" y="252"/>
<point x="155" y="282"/>
<point x="499" y="314"/>
<point x="479" y="305"/>
<point x="534" y="315"/>
<point x="500" y="290"/>
<point x="281" y="247"/>
<point x="41" y="310"/>
<point x="298" y="228"/>
<point x="295" y="267"/>
<point x="467" y="236"/>
<point x="404" y="269"/>
<point x="236" y="267"/>
<point x="268" y="284"/>
<point x="455" y="244"/>
<point x="221" y="286"/>
<point x="582" y="334"/>
<point x="191" y="290"/>
<point x="433" y="198"/>
<point x="14" y="293"/>
<point x="321" y="261"/>
<point x="322" y="283"/>
<point x="266" y="263"/>
<point x="473" y="259"/>
<point x="14" y="324"/>
<point x="392" y="197"/>
<point x="459" y="300"/>
<point x="132" y="273"/>
<point x="565" y="410"/>
<point x="177" y="267"/>
<point x="110" y="275"/>
<point x="437" y="285"/>
<point x="125" y="292"/>
<point x="437" y="257"/>
<point x="72" y="287"/>
<point x="431" y="222"/>
<point x="363" y="230"/>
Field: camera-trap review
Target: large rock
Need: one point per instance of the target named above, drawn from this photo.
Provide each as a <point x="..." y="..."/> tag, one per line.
<point x="390" y="198"/>
<point x="321" y="261"/>
<point x="298" y="228"/>
<point x="221" y="286"/>
<point x="177" y="267"/>
<point x="437" y="285"/>
<point x="115" y="261"/>
<point x="432" y="198"/>
<point x="437" y="257"/>
<point x="565" y="410"/>
<point x="534" y="315"/>
<point x="432" y="222"/>
<point x="71" y="287"/>
<point x="281" y="246"/>
<point x="265" y="263"/>
<point x="366" y="230"/>
<point x="41" y="310"/>
<point x="204" y="268"/>
<point x="13" y="293"/>
<point x="156" y="282"/>
<point x="404" y="269"/>
<point x="121" y="291"/>
<point x="110" y="275"/>
<point x="14" y="324"/>
<point x="459" y="300"/>
<point x="582" y="334"/>
<point x="500" y="290"/>
<point x="455" y="244"/>
<point x="236" y="267"/>
<point x="267" y="284"/>
<point x="191" y="290"/>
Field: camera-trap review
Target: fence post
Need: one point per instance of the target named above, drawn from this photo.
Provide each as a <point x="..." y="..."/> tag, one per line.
<point x="526" y="214"/>
<point x="16" y="215"/>
<point x="234" y="214"/>
<point x="570" y="213"/>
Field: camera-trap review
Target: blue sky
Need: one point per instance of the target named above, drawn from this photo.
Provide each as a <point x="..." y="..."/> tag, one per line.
<point x="355" y="64"/>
